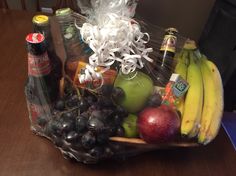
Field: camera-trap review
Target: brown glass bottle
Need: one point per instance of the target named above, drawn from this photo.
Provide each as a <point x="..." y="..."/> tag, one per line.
<point x="41" y="24"/>
<point x="40" y="86"/>
<point x="164" y="66"/>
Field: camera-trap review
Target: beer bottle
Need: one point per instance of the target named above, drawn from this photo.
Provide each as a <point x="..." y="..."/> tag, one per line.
<point x="40" y="86"/>
<point x="165" y="63"/>
<point x="41" y="24"/>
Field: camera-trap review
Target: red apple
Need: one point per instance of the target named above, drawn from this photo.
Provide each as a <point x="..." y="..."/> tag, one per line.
<point x="158" y="124"/>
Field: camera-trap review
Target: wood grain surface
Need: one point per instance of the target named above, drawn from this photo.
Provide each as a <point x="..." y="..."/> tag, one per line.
<point x="24" y="154"/>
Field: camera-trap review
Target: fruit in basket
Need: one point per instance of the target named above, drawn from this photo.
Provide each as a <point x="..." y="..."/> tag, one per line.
<point x="130" y="126"/>
<point x="154" y="100"/>
<point x="137" y="88"/>
<point x="67" y="125"/>
<point x="106" y="89"/>
<point x="203" y="105"/>
<point x="72" y="136"/>
<point x="60" y="105"/>
<point x="213" y="101"/>
<point x="158" y="124"/>
<point x="83" y="105"/>
<point x="81" y="123"/>
<point x="181" y="69"/>
<point x="54" y="127"/>
<point x="194" y="99"/>
<point x="105" y="102"/>
<point x="42" y="120"/>
<point x="102" y="137"/>
<point x="95" y="124"/>
<point x="120" y="131"/>
<point x="85" y="124"/>
<point x="72" y="101"/>
<point x="88" y="140"/>
<point x="117" y="94"/>
<point x="97" y="152"/>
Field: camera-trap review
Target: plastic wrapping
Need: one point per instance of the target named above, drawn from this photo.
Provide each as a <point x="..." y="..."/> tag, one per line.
<point x="114" y="101"/>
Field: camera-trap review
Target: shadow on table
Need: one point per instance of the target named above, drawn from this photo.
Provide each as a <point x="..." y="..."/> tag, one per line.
<point x="163" y="161"/>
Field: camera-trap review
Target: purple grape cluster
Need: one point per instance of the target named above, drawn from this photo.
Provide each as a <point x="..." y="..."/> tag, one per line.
<point x="82" y="125"/>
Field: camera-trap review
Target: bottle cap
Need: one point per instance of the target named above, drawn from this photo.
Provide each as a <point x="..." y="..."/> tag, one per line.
<point x="36" y="43"/>
<point x="63" y="12"/>
<point x="171" y="30"/>
<point x="34" y="38"/>
<point x="40" y="19"/>
<point x="190" y="44"/>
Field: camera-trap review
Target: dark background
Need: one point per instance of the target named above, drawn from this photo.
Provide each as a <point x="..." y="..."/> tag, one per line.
<point x="218" y="42"/>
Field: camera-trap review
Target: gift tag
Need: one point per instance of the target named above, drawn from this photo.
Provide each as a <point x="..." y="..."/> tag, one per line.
<point x="93" y="80"/>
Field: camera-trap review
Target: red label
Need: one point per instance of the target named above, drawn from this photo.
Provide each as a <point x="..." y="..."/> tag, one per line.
<point x="37" y="111"/>
<point x="38" y="65"/>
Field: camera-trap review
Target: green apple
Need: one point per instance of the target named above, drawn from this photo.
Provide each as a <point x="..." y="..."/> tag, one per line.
<point x="130" y="126"/>
<point x="137" y="88"/>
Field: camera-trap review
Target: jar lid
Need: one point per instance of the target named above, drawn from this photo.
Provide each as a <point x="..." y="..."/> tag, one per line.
<point x="63" y="12"/>
<point x="40" y="19"/>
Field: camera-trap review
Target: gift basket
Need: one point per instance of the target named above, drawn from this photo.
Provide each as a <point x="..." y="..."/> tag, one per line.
<point x="125" y="87"/>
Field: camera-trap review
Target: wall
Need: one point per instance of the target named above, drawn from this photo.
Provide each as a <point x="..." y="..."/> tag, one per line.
<point x="30" y="4"/>
<point x="188" y="16"/>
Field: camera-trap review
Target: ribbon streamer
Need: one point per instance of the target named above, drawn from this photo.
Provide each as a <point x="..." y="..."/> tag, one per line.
<point x="115" y="36"/>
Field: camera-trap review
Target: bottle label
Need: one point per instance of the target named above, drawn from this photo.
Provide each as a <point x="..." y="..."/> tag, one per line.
<point x="169" y="43"/>
<point x="38" y="65"/>
<point x="36" y="111"/>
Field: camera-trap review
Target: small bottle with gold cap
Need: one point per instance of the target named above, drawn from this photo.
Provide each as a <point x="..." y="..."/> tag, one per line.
<point x="41" y="24"/>
<point x="164" y="65"/>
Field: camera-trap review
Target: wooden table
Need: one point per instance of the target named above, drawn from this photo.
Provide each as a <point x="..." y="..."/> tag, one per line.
<point x="24" y="154"/>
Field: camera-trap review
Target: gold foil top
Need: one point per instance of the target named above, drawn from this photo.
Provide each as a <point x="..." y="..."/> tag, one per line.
<point x="171" y="30"/>
<point x="40" y="19"/>
<point x="169" y="41"/>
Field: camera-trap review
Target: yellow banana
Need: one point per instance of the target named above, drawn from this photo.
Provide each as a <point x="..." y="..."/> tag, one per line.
<point x="181" y="69"/>
<point x="180" y="106"/>
<point x="194" y="99"/>
<point x="213" y="101"/>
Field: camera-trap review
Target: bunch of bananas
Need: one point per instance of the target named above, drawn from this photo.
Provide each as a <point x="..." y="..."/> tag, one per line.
<point x="202" y="107"/>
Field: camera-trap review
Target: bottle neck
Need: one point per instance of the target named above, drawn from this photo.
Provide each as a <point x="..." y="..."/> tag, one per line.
<point x="167" y="53"/>
<point x="46" y="31"/>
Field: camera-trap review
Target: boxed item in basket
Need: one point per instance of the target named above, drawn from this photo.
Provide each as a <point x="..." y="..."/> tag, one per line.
<point x="125" y="87"/>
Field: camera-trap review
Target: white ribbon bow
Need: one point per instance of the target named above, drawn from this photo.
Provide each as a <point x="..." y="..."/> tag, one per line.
<point x="115" y="37"/>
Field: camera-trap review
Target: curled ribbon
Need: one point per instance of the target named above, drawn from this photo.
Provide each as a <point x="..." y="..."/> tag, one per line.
<point x="115" y="38"/>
